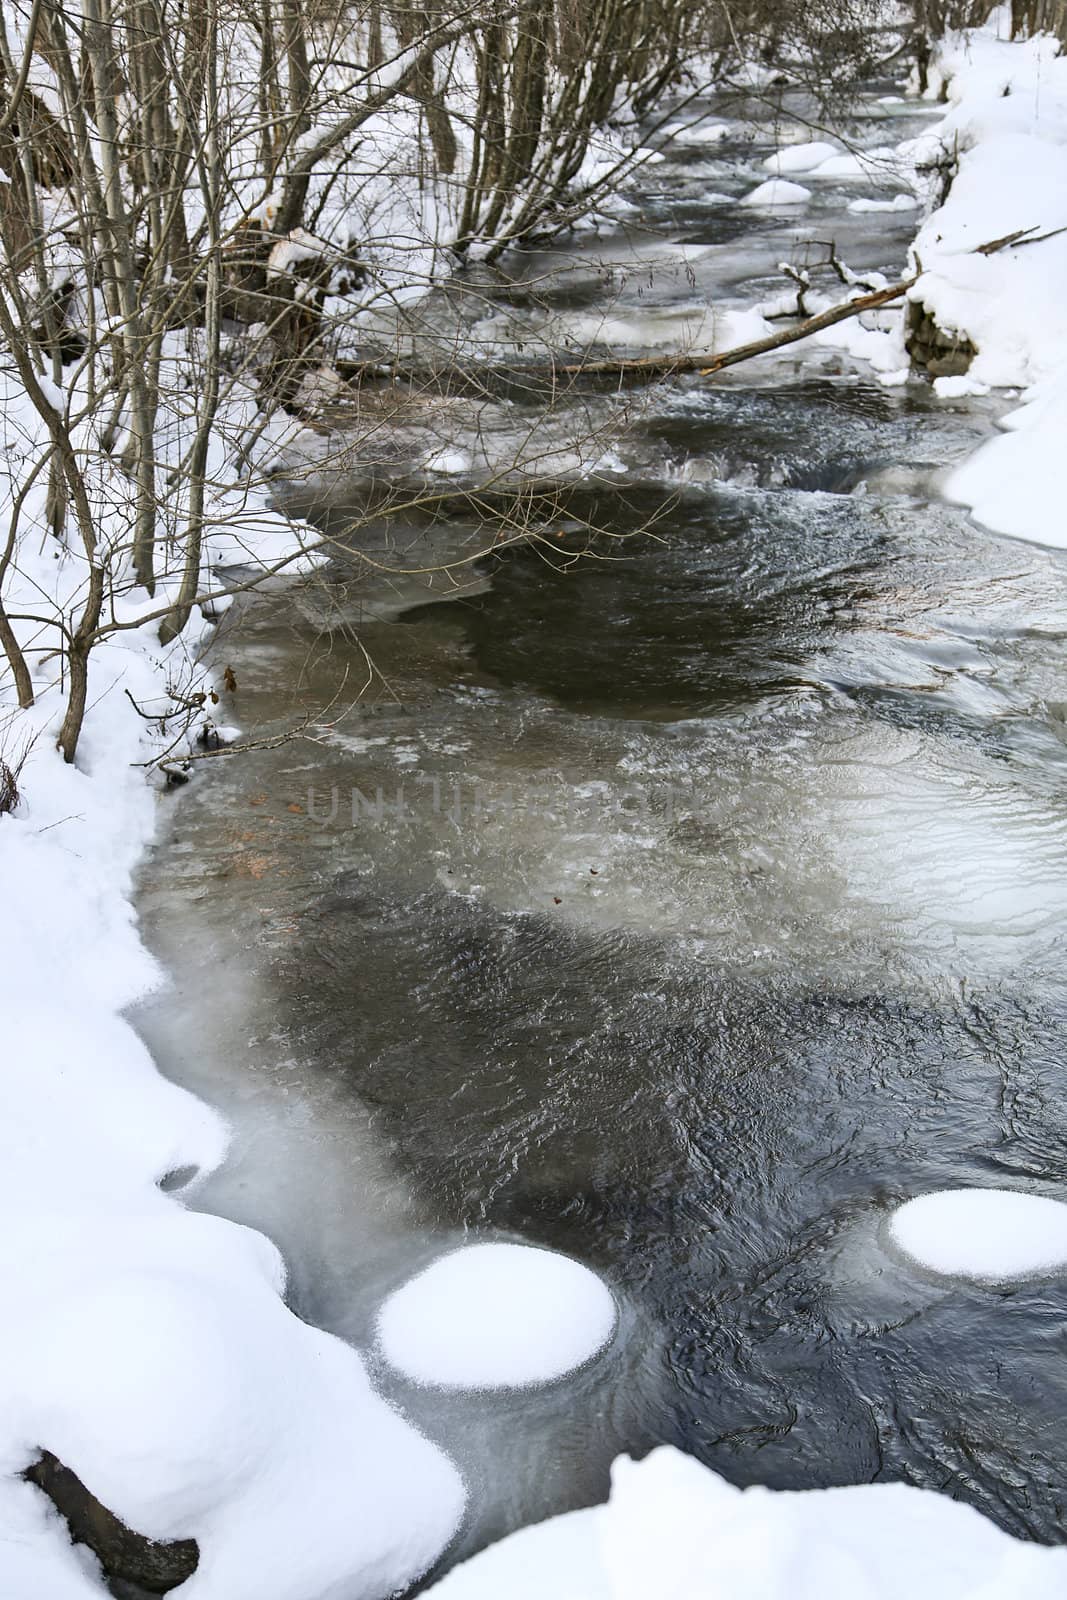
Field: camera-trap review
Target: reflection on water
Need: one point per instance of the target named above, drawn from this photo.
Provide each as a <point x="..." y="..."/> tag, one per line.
<point x="684" y="907"/>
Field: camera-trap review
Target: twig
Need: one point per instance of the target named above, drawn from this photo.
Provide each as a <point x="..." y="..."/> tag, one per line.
<point x="993" y="245"/>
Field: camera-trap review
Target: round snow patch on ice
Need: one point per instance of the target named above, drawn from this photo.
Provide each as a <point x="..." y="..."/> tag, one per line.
<point x="986" y="1234"/>
<point x="497" y="1315"/>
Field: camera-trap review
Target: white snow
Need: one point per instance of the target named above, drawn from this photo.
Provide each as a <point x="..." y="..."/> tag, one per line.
<point x="879" y="162"/>
<point x="496" y="1315"/>
<point x="697" y="132"/>
<point x="37" y="1559"/>
<point x="449" y="463"/>
<point x="669" y="327"/>
<point x="1008" y="121"/>
<point x="1015" y="482"/>
<point x="992" y="1235"/>
<point x="146" y="1345"/>
<point x="800" y="157"/>
<point x="777" y="192"/>
<point x="673" y="1530"/>
<point x="899" y="202"/>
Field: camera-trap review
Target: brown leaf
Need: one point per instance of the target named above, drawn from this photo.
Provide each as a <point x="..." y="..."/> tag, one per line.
<point x="229" y="678"/>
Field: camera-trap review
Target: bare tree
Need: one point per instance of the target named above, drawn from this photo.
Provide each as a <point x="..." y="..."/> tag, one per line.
<point x="193" y="183"/>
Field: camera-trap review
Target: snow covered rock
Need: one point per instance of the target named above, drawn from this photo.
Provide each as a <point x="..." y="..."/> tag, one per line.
<point x="777" y="192"/>
<point x="800" y="157"/>
<point x="698" y="133"/>
<point x="991" y="1235"/>
<point x="449" y="463"/>
<point x="899" y="202"/>
<point x="496" y="1316"/>
<point x="881" y="162"/>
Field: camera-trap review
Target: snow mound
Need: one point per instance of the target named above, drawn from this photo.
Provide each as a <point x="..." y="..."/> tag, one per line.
<point x="698" y="133"/>
<point x="899" y="202"/>
<point x="778" y="192"/>
<point x="1014" y="482"/>
<point x="879" y="162"/>
<point x="162" y="1367"/>
<point x="449" y="463"/>
<point x="799" y="157"/>
<point x="990" y="1235"/>
<point x="676" y="1531"/>
<point x="496" y="1316"/>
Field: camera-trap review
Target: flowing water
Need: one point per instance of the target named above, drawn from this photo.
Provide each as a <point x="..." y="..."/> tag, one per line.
<point x="681" y="901"/>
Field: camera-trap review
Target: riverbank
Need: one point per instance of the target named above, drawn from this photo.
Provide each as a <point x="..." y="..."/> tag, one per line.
<point x="146" y="1346"/>
<point x="1006" y="132"/>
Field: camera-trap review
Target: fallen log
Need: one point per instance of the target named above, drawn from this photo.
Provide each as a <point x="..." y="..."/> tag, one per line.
<point x="476" y="376"/>
<point x="707" y="363"/>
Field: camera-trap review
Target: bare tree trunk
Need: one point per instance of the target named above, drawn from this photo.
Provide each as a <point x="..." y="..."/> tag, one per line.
<point x="20" y="672"/>
<point x="101" y="44"/>
<point x="211" y="184"/>
<point x="296" y="57"/>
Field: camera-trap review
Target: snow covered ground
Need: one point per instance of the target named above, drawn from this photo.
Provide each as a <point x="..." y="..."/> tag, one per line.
<point x="1008" y="122"/>
<point x="147" y="1346"/>
<point x="1003" y="140"/>
<point x="673" y="1530"/>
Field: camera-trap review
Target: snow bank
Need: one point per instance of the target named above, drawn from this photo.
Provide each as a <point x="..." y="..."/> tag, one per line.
<point x="1008" y="122"/>
<point x="673" y="1530"/>
<point x="1014" y="483"/>
<point x="37" y="1559"/>
<point x="989" y="1234"/>
<point x="146" y="1346"/>
<point x="777" y="192"/>
<point x="496" y="1316"/>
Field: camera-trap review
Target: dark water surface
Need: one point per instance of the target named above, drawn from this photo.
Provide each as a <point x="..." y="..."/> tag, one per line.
<point x="683" y="907"/>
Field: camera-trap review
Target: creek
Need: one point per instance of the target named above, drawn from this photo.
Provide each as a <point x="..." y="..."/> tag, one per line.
<point x="681" y="895"/>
